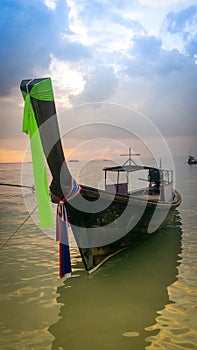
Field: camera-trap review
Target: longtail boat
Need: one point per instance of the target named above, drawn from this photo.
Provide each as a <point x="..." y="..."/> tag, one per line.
<point x="104" y="222"/>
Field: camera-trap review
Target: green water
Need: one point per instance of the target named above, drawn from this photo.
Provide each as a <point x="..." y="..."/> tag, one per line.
<point x="143" y="298"/>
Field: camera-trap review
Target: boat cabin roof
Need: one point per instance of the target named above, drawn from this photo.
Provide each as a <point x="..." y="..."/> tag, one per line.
<point x="128" y="168"/>
<point x="132" y="168"/>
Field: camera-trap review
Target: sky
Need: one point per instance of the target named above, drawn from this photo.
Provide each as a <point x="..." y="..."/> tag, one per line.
<point x="139" y="54"/>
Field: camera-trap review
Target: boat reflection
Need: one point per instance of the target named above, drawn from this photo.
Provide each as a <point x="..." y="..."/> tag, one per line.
<point x="113" y="308"/>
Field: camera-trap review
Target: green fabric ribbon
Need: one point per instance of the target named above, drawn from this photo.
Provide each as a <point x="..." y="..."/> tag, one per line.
<point x="41" y="91"/>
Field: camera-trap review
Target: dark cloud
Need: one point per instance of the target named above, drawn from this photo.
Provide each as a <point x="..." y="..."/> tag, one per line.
<point x="30" y="32"/>
<point x="22" y="42"/>
<point x="146" y="46"/>
<point x="150" y="60"/>
<point x="166" y="83"/>
<point x="144" y="53"/>
<point x="174" y="108"/>
<point x="100" y="85"/>
<point x="172" y="104"/>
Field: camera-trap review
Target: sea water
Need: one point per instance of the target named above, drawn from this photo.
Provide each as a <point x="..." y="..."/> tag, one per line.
<point x="142" y="298"/>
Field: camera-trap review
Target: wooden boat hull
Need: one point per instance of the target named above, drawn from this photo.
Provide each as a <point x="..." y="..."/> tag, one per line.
<point x="99" y="239"/>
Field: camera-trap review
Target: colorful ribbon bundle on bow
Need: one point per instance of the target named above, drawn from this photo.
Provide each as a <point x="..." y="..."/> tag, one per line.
<point x="62" y="231"/>
<point x="41" y="91"/>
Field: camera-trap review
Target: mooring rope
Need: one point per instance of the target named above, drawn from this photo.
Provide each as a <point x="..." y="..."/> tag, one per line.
<point x="12" y="234"/>
<point x="16" y="185"/>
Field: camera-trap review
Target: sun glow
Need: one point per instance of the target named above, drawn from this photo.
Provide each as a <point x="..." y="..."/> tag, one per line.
<point x="67" y="81"/>
<point x="11" y="156"/>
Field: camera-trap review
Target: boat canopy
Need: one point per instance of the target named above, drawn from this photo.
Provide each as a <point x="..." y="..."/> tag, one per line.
<point x="129" y="168"/>
<point x="159" y="180"/>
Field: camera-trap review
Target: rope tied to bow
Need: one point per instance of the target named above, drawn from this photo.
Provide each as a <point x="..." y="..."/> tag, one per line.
<point x="65" y="268"/>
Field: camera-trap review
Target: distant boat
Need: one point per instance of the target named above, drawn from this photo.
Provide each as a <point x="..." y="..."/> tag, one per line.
<point x="101" y="159"/>
<point x="73" y="161"/>
<point x="191" y="160"/>
<point x="104" y="222"/>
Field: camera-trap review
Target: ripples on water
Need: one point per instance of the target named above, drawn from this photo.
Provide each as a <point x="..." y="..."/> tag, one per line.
<point x="143" y="298"/>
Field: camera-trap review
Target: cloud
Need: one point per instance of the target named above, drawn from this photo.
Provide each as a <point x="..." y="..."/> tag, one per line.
<point x="51" y="4"/>
<point x="160" y="4"/>
<point x="146" y="46"/>
<point x="191" y="46"/>
<point x="100" y="24"/>
<point x="135" y="53"/>
<point x="149" y="59"/>
<point x="67" y="81"/>
<point x="100" y="85"/>
<point x="180" y="30"/>
<point x="23" y="43"/>
<point x="177" y="22"/>
<point x="11" y="116"/>
<point x="71" y="51"/>
<point x="168" y="88"/>
<point x="30" y="34"/>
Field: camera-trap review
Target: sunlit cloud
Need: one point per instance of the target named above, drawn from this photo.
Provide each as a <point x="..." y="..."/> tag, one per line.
<point x="51" y="4"/>
<point x="67" y="80"/>
<point x="111" y="35"/>
<point x="160" y="3"/>
<point x="179" y="30"/>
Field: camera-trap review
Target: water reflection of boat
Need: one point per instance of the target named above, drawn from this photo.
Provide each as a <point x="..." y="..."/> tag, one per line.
<point x="104" y="222"/>
<point x="112" y="308"/>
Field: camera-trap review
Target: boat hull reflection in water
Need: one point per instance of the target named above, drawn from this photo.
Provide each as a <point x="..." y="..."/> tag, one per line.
<point x="113" y="308"/>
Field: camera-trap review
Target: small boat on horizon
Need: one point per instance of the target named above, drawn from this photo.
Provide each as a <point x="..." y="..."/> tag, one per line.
<point x="103" y="222"/>
<point x="191" y="160"/>
<point x="73" y="160"/>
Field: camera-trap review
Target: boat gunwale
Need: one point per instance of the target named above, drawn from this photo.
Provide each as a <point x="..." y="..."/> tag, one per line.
<point x="124" y="198"/>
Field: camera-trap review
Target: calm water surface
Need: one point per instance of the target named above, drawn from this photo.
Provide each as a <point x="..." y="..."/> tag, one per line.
<point x="143" y="298"/>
